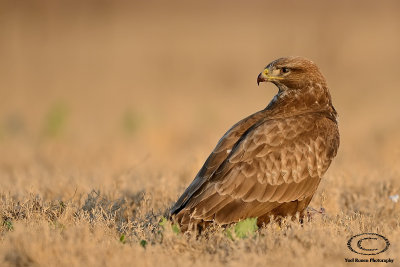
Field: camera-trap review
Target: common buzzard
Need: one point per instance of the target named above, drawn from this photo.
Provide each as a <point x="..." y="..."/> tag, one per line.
<point x="270" y="163"/>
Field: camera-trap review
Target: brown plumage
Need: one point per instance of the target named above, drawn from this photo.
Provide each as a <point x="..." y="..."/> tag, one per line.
<point x="270" y="163"/>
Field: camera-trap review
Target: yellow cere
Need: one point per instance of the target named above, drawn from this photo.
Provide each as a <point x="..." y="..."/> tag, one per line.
<point x="265" y="72"/>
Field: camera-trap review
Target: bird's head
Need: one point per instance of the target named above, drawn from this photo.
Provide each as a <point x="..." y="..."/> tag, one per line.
<point x="291" y="73"/>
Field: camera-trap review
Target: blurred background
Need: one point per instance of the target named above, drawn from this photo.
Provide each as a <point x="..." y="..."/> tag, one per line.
<point x="135" y="94"/>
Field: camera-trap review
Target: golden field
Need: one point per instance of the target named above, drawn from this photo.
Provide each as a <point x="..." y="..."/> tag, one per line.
<point x="109" y="108"/>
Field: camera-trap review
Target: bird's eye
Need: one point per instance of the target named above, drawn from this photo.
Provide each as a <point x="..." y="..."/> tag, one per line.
<point x="285" y="70"/>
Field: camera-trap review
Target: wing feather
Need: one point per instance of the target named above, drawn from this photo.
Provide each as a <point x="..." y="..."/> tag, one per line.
<point x="216" y="158"/>
<point x="271" y="162"/>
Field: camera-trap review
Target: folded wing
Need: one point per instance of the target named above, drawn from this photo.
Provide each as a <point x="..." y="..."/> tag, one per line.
<point x="272" y="162"/>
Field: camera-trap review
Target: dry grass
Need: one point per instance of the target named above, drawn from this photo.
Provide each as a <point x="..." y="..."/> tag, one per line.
<point x="108" y="109"/>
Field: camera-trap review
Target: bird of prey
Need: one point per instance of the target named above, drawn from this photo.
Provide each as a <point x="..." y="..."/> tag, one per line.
<point x="270" y="163"/>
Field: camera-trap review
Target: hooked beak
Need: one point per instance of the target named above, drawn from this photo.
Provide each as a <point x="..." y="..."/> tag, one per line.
<point x="265" y="76"/>
<point x="262" y="77"/>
